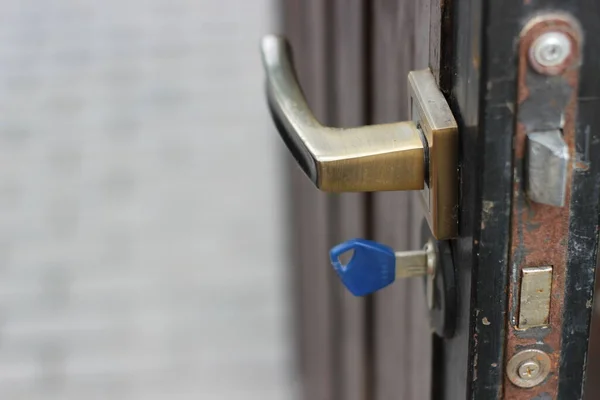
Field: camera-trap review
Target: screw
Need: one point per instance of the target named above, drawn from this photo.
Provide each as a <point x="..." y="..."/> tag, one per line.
<point x="529" y="370"/>
<point x="550" y="49"/>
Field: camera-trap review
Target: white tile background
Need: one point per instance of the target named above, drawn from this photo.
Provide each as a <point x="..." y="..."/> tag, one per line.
<point x="140" y="212"/>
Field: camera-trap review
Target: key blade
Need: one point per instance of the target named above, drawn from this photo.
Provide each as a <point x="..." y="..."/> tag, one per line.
<point x="411" y="263"/>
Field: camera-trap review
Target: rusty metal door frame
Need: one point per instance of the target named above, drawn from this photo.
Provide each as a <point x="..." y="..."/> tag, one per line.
<point x="485" y="96"/>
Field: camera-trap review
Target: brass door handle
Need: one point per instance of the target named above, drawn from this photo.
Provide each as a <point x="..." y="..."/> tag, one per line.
<point x="363" y="159"/>
<point x="420" y="154"/>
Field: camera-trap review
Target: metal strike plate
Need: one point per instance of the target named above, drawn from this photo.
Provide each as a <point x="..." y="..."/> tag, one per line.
<point x="431" y="113"/>
<point x="534" y="303"/>
<point x="544" y="151"/>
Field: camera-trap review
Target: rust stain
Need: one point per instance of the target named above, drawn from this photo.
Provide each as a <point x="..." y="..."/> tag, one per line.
<point x="583" y="166"/>
<point x="539" y="233"/>
<point x="476" y="62"/>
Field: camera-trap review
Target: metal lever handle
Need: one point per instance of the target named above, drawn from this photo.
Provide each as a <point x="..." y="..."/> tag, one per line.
<point x="363" y="159"/>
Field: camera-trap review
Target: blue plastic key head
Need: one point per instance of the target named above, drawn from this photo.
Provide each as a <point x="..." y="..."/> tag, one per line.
<point x="372" y="266"/>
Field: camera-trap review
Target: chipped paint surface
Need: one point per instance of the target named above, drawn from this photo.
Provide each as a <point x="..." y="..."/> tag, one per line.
<point x="486" y="212"/>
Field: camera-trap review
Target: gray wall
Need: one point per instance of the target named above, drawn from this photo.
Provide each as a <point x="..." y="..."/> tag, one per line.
<point x="140" y="213"/>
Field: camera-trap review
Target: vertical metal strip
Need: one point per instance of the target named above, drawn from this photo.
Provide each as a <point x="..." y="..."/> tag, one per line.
<point x="540" y="233"/>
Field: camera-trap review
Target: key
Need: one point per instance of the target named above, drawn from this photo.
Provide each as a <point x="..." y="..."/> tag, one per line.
<point x="374" y="266"/>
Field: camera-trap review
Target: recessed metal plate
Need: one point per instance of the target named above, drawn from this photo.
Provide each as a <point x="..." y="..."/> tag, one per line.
<point x="534" y="306"/>
<point x="430" y="111"/>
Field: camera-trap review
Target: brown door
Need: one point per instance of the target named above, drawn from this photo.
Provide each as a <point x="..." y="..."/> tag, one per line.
<point x="352" y="58"/>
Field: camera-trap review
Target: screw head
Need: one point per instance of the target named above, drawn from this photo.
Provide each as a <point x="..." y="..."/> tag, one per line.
<point x="551" y="49"/>
<point x="529" y="370"/>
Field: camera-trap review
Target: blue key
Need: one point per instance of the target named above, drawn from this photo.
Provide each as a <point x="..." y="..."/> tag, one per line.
<point x="371" y="268"/>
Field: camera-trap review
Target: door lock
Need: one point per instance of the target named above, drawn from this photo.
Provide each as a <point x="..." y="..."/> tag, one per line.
<point x="420" y="154"/>
<point x="371" y="266"/>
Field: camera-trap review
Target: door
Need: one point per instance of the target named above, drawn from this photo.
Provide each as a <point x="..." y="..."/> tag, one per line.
<point x="352" y="58"/>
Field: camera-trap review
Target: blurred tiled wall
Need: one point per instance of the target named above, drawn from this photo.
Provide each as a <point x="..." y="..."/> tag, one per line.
<point x="140" y="237"/>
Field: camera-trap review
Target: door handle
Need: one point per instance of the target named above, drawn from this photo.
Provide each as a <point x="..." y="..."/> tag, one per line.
<point x="363" y="159"/>
<point x="419" y="154"/>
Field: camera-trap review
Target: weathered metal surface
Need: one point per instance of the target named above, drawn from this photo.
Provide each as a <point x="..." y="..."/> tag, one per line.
<point x="540" y="233"/>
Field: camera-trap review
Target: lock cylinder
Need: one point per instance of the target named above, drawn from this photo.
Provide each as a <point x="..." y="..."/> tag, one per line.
<point x="372" y="266"/>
